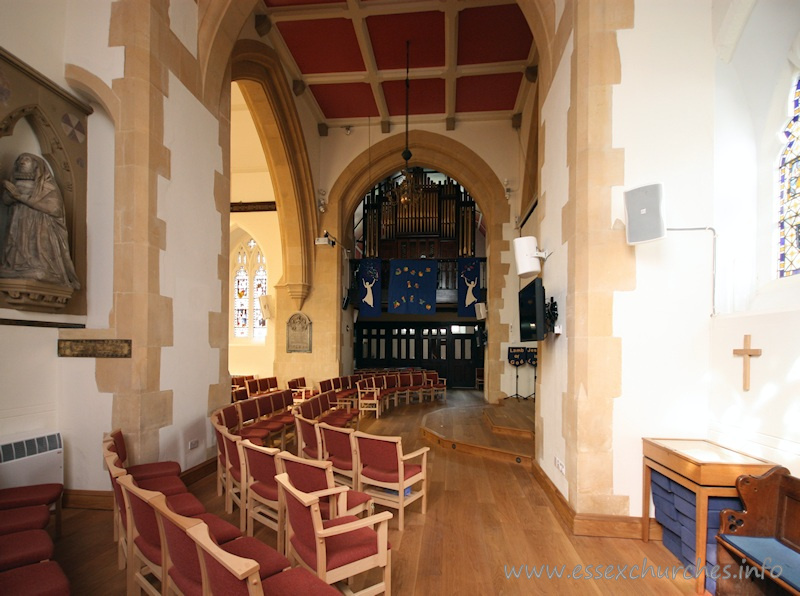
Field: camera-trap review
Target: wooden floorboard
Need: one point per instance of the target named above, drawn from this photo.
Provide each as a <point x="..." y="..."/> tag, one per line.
<point x="486" y="520"/>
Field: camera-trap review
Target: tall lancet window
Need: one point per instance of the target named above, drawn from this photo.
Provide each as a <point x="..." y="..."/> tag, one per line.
<point x="789" y="250"/>
<point x="249" y="285"/>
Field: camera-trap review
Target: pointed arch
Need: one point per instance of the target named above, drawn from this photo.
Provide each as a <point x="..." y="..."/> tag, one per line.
<point x="271" y="103"/>
<point x="460" y="163"/>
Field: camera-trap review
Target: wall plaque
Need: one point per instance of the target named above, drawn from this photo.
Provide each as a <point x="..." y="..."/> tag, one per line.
<point x="94" y="348"/>
<point x="298" y="333"/>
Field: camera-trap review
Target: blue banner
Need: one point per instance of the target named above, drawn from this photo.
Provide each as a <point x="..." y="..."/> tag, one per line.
<point x="412" y="286"/>
<point x="369" y="287"/>
<point x="469" y="291"/>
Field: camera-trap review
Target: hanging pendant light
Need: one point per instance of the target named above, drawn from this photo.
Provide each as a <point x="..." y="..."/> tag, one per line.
<point x="407" y="191"/>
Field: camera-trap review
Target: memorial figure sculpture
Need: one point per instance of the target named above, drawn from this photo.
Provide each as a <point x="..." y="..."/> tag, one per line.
<point x="36" y="243"/>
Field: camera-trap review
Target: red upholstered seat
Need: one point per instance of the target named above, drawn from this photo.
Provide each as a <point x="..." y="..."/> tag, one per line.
<point x="35" y="517"/>
<point x="26" y="496"/>
<point x="169" y="485"/>
<point x="297" y="581"/>
<point x="219" y="529"/>
<point x="40" y="579"/>
<point x="183" y="503"/>
<point x="24" y="548"/>
<point x="269" y="560"/>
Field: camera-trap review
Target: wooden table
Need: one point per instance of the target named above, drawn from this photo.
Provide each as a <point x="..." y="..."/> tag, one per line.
<point x="705" y="468"/>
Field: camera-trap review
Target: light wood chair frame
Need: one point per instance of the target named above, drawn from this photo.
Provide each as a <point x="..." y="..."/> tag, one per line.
<point x="378" y="489"/>
<point x="260" y="509"/>
<point x="137" y="562"/>
<point x="382" y="559"/>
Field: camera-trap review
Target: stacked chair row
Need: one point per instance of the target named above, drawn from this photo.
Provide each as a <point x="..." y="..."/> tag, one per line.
<point x="316" y="521"/>
<point x="374" y="464"/>
<point x="170" y="544"/>
<point x="378" y="391"/>
<point x="26" y="548"/>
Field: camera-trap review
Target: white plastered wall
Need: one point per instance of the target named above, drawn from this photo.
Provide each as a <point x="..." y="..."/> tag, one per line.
<point x="663" y="119"/>
<point x="41" y="392"/>
<point x="188" y="265"/>
<point x="554" y="196"/>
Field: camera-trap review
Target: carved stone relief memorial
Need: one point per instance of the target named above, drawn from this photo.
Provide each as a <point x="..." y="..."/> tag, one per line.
<point x="43" y="155"/>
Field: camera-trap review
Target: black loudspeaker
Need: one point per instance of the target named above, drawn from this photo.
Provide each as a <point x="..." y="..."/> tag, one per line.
<point x="644" y="212"/>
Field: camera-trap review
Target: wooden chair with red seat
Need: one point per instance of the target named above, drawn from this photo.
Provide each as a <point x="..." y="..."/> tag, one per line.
<point x="419" y="387"/>
<point x="229" y="574"/>
<point x="300" y="389"/>
<point x="309" y="442"/>
<point x="49" y="494"/>
<point x="437" y="385"/>
<point x="262" y="504"/>
<point x="140" y="471"/>
<point x="339" y="448"/>
<point x="144" y="556"/>
<point x="368" y="397"/>
<point x="336" y="549"/>
<point x="316" y="476"/>
<point x="386" y="473"/>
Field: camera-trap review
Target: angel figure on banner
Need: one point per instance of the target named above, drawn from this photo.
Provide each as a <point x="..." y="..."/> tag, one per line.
<point x="368" y="298"/>
<point x="470" y="299"/>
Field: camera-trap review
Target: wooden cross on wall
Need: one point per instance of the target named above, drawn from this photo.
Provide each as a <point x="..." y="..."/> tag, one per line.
<point x="746" y="353"/>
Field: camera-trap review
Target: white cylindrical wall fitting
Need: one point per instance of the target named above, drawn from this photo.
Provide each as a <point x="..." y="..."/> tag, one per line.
<point x="526" y="256"/>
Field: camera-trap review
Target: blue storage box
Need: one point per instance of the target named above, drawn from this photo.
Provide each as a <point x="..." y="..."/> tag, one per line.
<point x="686" y="507"/>
<point x="665" y="507"/>
<point x="672" y="542"/>
<point x="661" y="481"/>
<point x="682" y="492"/>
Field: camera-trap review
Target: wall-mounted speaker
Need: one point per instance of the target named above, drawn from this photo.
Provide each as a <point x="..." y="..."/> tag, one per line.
<point x="480" y="310"/>
<point x="644" y="213"/>
<point x="525" y="250"/>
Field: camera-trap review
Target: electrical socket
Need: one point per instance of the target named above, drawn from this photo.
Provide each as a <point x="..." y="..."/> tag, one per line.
<point x="194" y="444"/>
<point x="560" y="466"/>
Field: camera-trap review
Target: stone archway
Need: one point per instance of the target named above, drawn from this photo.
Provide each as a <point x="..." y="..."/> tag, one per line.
<point x="461" y="163"/>
<point x="267" y="93"/>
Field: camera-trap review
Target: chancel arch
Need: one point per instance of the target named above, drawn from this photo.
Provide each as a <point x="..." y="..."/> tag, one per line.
<point x="458" y="161"/>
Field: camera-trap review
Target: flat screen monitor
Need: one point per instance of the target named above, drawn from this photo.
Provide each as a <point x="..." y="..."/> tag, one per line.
<point x="532" y="324"/>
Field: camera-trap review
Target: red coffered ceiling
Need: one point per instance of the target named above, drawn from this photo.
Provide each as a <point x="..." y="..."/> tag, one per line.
<point x="468" y="58"/>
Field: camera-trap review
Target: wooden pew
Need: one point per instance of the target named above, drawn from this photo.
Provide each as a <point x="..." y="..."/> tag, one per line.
<point x="758" y="550"/>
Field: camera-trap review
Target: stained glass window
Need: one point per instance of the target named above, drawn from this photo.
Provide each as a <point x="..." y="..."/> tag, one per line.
<point x="249" y="285"/>
<point x="241" y="302"/>
<point x="789" y="253"/>
<point x="259" y="289"/>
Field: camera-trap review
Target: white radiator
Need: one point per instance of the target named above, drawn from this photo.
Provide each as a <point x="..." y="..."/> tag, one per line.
<point x="33" y="459"/>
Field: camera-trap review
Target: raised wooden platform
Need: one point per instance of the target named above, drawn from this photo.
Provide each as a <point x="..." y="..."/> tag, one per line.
<point x="503" y="432"/>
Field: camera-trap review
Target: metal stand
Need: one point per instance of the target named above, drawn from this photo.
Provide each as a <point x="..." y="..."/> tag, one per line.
<point x="516" y="385"/>
<point x="533" y="395"/>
